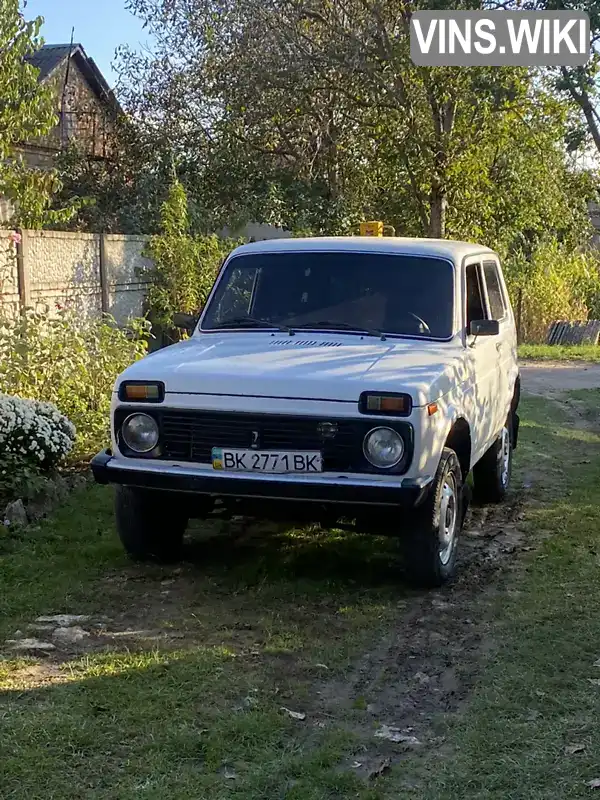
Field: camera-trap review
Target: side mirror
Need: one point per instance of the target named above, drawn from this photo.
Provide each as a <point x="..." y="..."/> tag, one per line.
<point x="185" y="321"/>
<point x="485" y="327"/>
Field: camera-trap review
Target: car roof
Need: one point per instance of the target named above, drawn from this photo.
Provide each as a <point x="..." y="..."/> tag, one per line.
<point x="440" y="248"/>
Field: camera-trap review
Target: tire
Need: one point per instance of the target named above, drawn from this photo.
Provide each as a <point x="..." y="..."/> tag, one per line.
<point x="491" y="474"/>
<point x="149" y="527"/>
<point x="430" y="544"/>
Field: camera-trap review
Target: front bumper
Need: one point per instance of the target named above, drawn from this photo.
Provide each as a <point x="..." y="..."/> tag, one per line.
<point x="406" y="493"/>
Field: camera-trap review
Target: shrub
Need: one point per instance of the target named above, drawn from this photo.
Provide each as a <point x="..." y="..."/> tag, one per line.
<point x="72" y="362"/>
<point x="556" y="283"/>
<point x="185" y="266"/>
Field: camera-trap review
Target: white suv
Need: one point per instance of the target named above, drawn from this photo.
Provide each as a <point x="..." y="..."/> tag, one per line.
<point x="356" y="378"/>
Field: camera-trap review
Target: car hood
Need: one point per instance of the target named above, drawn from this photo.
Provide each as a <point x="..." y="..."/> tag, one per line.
<point x="304" y="366"/>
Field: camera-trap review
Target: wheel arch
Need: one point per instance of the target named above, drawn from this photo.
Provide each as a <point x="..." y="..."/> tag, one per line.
<point x="516" y="398"/>
<point x="459" y="440"/>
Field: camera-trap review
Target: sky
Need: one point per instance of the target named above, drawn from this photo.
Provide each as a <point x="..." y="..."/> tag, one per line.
<point x="100" y="26"/>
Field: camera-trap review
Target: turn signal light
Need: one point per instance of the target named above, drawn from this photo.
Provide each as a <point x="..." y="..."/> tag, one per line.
<point x="397" y="405"/>
<point x="141" y="392"/>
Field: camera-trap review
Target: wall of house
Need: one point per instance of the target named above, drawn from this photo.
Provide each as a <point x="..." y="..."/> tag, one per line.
<point x="93" y="273"/>
<point x="87" y="120"/>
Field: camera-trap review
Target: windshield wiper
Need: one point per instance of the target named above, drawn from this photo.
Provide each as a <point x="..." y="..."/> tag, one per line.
<point x="235" y="322"/>
<point x="342" y="326"/>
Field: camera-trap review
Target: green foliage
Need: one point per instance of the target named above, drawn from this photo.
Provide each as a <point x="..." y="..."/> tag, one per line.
<point x="348" y="128"/>
<point x="27" y="109"/>
<point x="33" y="193"/>
<point x="121" y="193"/>
<point x="72" y="362"/>
<point x="555" y="283"/>
<point x="185" y="266"/>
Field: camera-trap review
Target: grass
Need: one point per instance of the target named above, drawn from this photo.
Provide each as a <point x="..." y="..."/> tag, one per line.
<point x="193" y="706"/>
<point x="180" y="716"/>
<point x="538" y="698"/>
<point x="559" y="352"/>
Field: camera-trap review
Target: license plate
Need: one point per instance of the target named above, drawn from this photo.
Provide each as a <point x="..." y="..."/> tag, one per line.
<point x="272" y="461"/>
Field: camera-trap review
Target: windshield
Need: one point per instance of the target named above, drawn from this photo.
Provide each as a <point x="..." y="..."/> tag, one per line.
<point x="363" y="292"/>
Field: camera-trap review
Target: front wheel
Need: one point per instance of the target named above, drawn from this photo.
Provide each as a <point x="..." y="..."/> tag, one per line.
<point x="149" y="526"/>
<point x="430" y="544"/>
<point x="491" y="474"/>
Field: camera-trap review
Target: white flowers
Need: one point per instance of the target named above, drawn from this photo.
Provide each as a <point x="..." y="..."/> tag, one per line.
<point x="35" y="431"/>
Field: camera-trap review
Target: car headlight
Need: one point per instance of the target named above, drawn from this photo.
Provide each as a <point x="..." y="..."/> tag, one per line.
<point x="383" y="447"/>
<point x="140" y="433"/>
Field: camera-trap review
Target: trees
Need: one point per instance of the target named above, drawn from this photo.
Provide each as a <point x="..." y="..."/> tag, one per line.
<point x="118" y="194"/>
<point x="311" y="114"/>
<point x="27" y="110"/>
<point x="579" y="84"/>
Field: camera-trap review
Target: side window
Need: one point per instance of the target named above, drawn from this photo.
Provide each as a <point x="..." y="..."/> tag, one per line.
<point x="494" y="290"/>
<point x="475" y="304"/>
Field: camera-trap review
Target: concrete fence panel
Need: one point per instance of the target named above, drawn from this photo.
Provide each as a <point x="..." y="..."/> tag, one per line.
<point x="95" y="273"/>
<point x="124" y="267"/>
<point x="63" y="267"/>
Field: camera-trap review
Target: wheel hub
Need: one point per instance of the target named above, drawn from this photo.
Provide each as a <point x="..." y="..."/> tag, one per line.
<point x="504" y="456"/>
<point x="448" y="520"/>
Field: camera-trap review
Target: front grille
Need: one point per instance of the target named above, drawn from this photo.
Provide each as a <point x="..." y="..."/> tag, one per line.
<point x="191" y="435"/>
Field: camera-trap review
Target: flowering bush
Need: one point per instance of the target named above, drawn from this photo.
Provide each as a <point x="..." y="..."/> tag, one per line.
<point x="33" y="433"/>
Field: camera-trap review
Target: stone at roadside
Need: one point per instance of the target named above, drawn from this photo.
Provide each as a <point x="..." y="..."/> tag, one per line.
<point x="30" y="645"/>
<point x="15" y="514"/>
<point x="73" y="635"/>
<point x="78" y="482"/>
<point x="54" y="492"/>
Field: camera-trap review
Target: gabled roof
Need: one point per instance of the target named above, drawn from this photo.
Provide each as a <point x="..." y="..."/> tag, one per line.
<point x="50" y="57"/>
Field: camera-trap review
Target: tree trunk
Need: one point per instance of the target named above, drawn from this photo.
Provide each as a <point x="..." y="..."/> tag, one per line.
<point x="582" y="98"/>
<point x="437" y="213"/>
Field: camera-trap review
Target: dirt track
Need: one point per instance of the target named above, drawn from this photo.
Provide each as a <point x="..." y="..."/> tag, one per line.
<point x="550" y="377"/>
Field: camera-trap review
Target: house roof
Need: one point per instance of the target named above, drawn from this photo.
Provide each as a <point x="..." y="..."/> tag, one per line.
<point x="50" y="57"/>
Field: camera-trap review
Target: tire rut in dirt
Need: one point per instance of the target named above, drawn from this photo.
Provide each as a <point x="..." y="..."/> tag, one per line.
<point x="427" y="664"/>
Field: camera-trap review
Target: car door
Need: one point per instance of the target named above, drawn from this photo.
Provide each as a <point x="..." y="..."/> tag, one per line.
<point x="483" y="359"/>
<point x="500" y="310"/>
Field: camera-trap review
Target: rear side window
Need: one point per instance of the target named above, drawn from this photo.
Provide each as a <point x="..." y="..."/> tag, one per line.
<point x="494" y="290"/>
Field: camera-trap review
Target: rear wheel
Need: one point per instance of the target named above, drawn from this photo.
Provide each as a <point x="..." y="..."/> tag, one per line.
<point x="430" y="544"/>
<point x="149" y="526"/>
<point x="491" y="475"/>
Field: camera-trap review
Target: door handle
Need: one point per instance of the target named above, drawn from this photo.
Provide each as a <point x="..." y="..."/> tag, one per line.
<point x="498" y="346"/>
